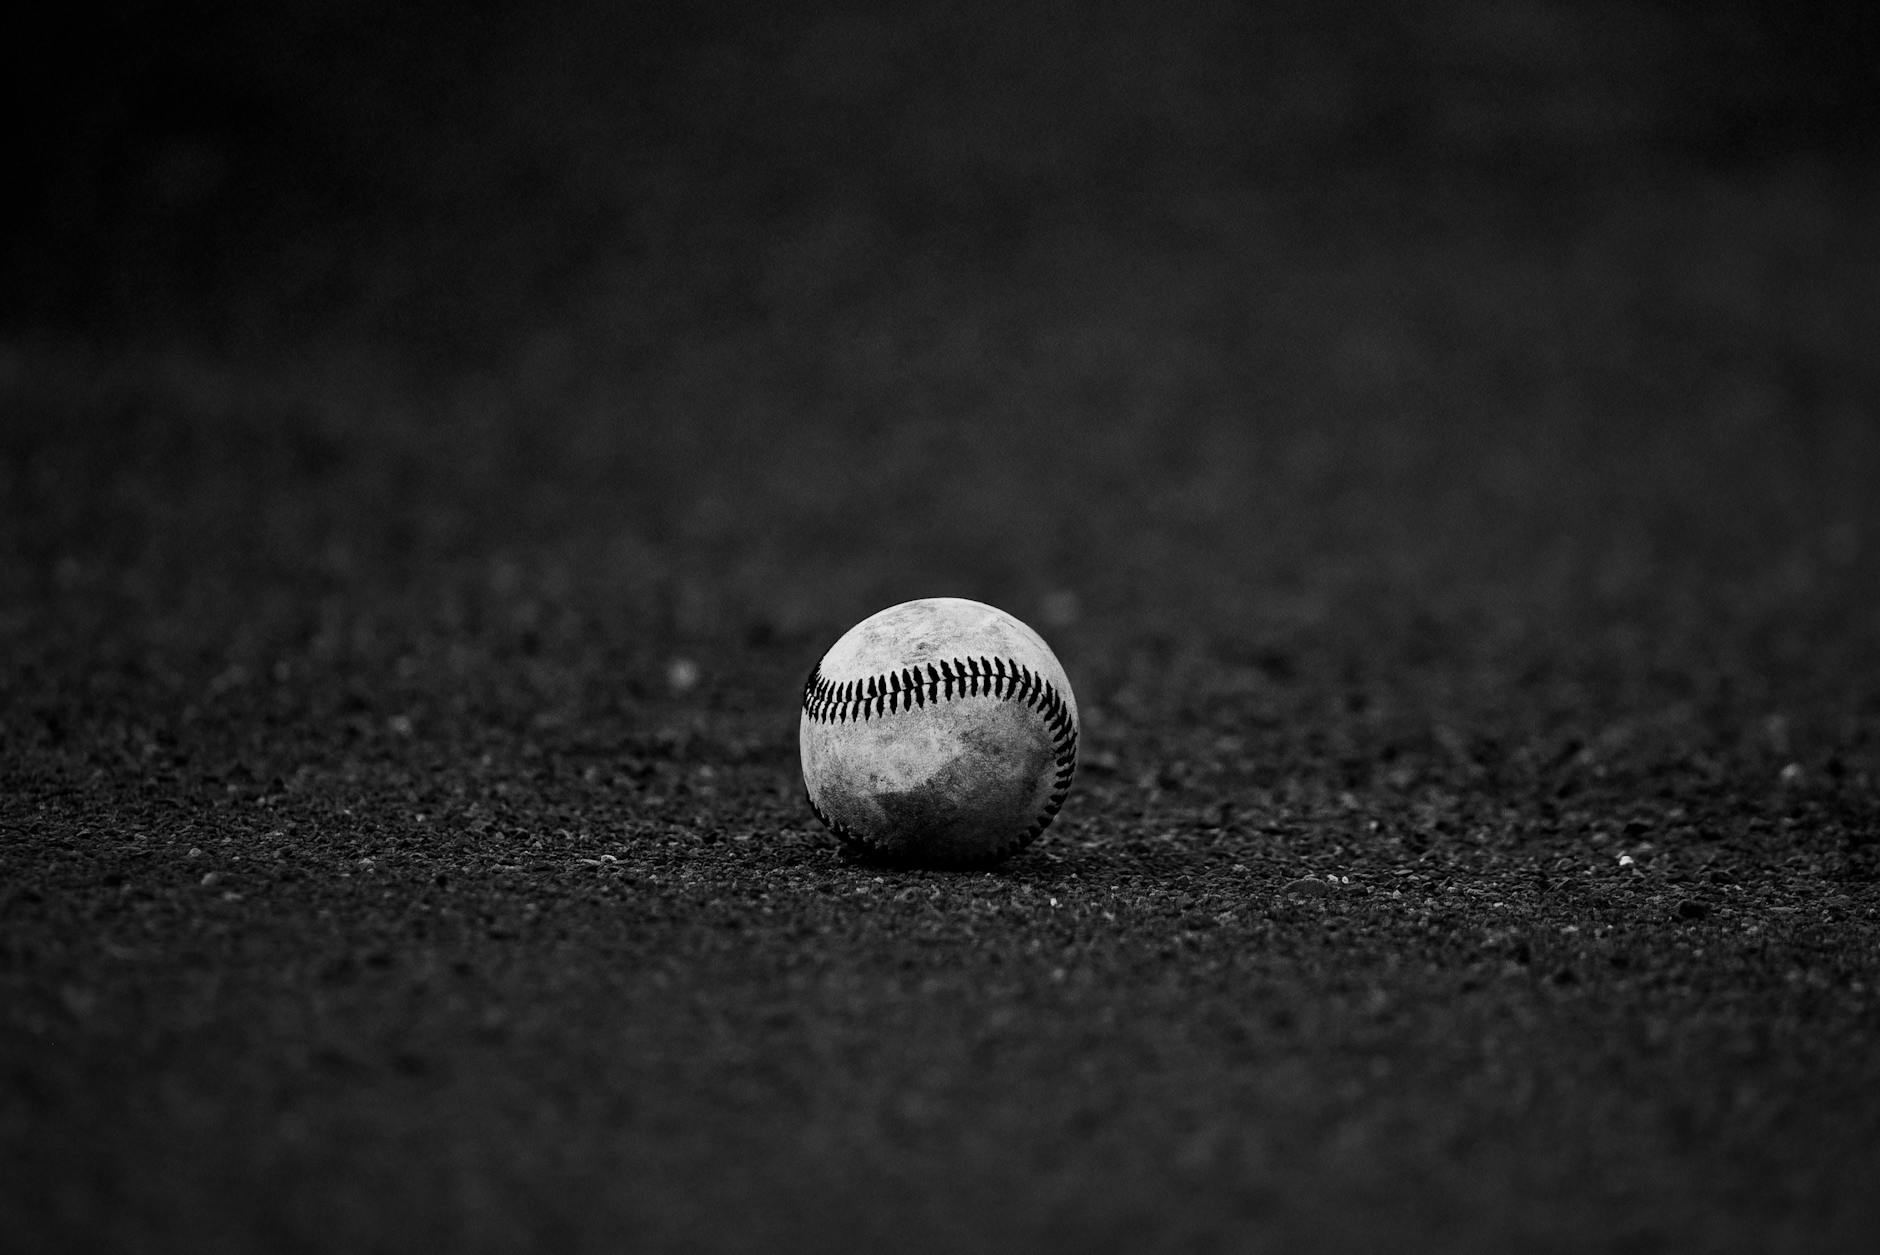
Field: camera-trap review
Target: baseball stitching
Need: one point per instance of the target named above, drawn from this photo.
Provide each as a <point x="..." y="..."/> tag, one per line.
<point x="912" y="687"/>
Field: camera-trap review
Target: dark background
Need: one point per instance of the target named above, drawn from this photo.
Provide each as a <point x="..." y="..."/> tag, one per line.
<point x="1438" y="438"/>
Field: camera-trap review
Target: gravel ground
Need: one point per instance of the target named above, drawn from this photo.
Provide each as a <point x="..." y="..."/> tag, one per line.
<point x="1439" y="441"/>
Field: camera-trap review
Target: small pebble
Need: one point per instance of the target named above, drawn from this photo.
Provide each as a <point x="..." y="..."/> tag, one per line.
<point x="1691" y="908"/>
<point x="682" y="675"/>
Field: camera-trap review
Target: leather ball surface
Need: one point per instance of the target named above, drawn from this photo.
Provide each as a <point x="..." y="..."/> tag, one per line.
<point x="938" y="731"/>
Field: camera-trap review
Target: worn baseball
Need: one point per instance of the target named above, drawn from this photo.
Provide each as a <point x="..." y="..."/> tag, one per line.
<point x="938" y="731"/>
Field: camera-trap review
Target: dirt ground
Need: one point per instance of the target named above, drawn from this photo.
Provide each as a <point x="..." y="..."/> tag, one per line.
<point x="1438" y="439"/>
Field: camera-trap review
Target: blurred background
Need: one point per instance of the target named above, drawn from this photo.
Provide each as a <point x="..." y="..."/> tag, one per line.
<point x="725" y="321"/>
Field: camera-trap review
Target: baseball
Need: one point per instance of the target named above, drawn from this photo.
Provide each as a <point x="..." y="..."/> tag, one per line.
<point x="938" y="731"/>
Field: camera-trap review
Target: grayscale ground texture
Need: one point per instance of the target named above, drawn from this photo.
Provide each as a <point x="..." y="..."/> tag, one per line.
<point x="1439" y="439"/>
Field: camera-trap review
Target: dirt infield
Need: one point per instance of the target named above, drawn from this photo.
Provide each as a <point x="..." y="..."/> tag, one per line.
<point x="1441" y="448"/>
